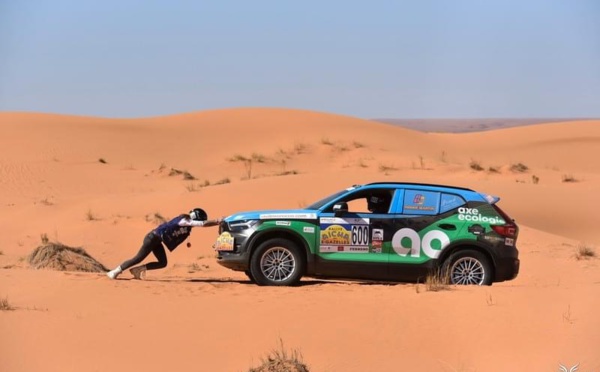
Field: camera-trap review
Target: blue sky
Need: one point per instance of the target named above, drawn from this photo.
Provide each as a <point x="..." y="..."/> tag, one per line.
<point x="369" y="59"/>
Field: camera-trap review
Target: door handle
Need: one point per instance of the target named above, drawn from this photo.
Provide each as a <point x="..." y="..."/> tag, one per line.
<point x="447" y="226"/>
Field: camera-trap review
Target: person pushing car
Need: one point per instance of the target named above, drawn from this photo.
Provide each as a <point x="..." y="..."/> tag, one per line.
<point x="171" y="234"/>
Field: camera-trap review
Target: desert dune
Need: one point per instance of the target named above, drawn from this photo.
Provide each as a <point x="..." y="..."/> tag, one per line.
<point x="101" y="184"/>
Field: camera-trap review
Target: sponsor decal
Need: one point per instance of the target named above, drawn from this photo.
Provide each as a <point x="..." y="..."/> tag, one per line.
<point x="473" y="215"/>
<point x="419" y="199"/>
<point x="377" y="235"/>
<point x="283" y="223"/>
<point x="421" y="202"/>
<point x="282" y="216"/>
<point x="493" y="238"/>
<point x="343" y="248"/>
<point x="308" y="229"/>
<point x="509" y="242"/>
<point x="224" y="242"/>
<point x="342" y="221"/>
<point x="335" y="234"/>
<point x="418" y="244"/>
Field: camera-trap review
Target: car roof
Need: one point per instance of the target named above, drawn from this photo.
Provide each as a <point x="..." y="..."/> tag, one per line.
<point x="466" y="193"/>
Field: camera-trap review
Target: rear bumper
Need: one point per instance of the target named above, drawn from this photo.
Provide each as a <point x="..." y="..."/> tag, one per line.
<point x="507" y="268"/>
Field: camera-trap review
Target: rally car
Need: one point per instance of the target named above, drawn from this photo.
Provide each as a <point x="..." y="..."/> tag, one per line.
<point x="379" y="231"/>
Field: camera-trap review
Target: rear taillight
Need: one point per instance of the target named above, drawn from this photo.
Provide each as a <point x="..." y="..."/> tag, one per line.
<point x="509" y="229"/>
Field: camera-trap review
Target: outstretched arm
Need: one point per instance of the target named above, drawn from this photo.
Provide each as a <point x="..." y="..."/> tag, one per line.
<point x="207" y="223"/>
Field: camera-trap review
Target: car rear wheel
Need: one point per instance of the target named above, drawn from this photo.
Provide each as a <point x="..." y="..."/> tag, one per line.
<point x="277" y="262"/>
<point x="468" y="267"/>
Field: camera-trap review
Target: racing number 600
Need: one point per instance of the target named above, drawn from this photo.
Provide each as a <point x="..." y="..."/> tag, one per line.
<point x="360" y="235"/>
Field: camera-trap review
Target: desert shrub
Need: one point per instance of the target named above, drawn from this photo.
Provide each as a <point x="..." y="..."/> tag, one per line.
<point x="5" y="305"/>
<point x="223" y="181"/>
<point x="475" y="166"/>
<point x="585" y="252"/>
<point x="519" y="168"/>
<point x="156" y="218"/>
<point x="386" y="168"/>
<point x="493" y="169"/>
<point x="535" y="179"/>
<point x="91" y="216"/>
<point x="57" y="256"/>
<point x="569" y="178"/>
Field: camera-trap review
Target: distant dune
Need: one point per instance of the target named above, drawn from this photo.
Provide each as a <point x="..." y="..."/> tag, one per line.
<point x="102" y="184"/>
<point x="471" y="125"/>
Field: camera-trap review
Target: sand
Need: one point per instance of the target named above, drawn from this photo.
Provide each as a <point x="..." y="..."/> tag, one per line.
<point x="100" y="184"/>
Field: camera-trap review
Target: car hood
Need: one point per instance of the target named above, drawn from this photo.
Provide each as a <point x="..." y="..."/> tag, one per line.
<point x="274" y="214"/>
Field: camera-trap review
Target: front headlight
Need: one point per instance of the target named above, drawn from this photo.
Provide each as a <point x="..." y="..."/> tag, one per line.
<point x="242" y="225"/>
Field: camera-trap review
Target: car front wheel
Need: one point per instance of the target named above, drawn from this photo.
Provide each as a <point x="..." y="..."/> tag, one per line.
<point x="277" y="262"/>
<point x="468" y="267"/>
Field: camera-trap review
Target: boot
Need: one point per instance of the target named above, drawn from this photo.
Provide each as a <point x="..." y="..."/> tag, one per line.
<point x="139" y="272"/>
<point x="114" y="273"/>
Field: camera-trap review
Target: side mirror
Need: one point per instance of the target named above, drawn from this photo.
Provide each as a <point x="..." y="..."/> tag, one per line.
<point x="340" y="208"/>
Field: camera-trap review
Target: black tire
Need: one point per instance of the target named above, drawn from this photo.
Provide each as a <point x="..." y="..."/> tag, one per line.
<point x="468" y="267"/>
<point x="277" y="262"/>
<point x="249" y="275"/>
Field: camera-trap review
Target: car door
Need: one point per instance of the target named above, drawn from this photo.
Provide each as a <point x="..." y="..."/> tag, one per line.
<point x="422" y="229"/>
<point x="351" y="244"/>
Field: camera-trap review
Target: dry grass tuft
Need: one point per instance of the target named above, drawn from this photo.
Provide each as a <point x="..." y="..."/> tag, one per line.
<point x="156" y="218"/>
<point x="282" y="360"/>
<point x="90" y="216"/>
<point x="437" y="281"/>
<point x="519" y="168"/>
<point x="186" y="175"/>
<point x="475" y="166"/>
<point x="493" y="169"/>
<point x="57" y="256"/>
<point x="223" y="181"/>
<point x="569" y="178"/>
<point x="585" y="252"/>
<point x="5" y="305"/>
<point x="387" y="168"/>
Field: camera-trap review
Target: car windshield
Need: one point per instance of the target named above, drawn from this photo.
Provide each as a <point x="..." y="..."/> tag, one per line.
<point x="322" y="202"/>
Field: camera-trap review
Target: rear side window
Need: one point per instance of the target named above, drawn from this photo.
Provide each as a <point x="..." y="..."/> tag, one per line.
<point x="450" y="201"/>
<point x="421" y="202"/>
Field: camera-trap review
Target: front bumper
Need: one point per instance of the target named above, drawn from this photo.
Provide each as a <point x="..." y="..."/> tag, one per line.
<point x="234" y="260"/>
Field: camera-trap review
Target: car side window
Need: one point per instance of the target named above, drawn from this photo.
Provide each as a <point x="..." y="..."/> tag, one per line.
<point x="370" y="201"/>
<point x="450" y="201"/>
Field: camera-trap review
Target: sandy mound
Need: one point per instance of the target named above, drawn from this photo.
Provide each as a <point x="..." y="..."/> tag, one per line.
<point x="57" y="256"/>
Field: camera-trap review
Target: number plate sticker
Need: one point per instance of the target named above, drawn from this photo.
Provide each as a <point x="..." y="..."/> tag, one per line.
<point x="224" y="242"/>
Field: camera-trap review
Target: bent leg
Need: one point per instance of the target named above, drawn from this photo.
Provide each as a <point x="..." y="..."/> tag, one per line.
<point x="146" y="248"/>
<point x="161" y="256"/>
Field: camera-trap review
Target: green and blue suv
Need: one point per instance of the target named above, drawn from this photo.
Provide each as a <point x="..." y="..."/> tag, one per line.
<point x="378" y="231"/>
